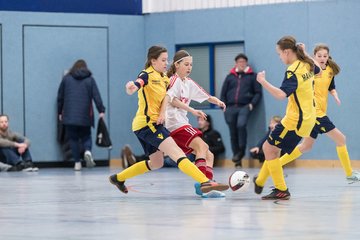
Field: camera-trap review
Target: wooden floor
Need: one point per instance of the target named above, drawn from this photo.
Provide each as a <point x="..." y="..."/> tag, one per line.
<point x="63" y="204"/>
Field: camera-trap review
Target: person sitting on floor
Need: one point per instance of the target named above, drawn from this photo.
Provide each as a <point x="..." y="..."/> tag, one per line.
<point x="15" y="147"/>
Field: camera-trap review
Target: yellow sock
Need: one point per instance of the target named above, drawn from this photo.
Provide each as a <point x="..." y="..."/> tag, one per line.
<point x="344" y="159"/>
<point x="277" y="174"/>
<point x="136" y="169"/>
<point x="286" y="158"/>
<point x="263" y="175"/>
<point x="191" y="170"/>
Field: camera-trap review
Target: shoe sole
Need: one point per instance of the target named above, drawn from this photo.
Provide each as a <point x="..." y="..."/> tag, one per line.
<point x="206" y="189"/>
<point x="89" y="161"/>
<point x="114" y="183"/>
<point x="284" y="198"/>
<point x="213" y="194"/>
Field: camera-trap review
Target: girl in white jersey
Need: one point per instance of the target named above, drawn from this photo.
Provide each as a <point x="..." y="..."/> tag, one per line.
<point x="181" y="91"/>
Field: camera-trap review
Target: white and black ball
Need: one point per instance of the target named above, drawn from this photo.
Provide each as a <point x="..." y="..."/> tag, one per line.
<point x="239" y="180"/>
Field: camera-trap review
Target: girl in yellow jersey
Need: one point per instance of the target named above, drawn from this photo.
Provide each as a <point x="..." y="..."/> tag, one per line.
<point x="324" y="84"/>
<point x="155" y="139"/>
<point x="299" y="119"/>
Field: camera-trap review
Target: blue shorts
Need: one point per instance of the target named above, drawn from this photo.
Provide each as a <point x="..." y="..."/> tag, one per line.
<point x="322" y="125"/>
<point x="284" y="139"/>
<point x="151" y="137"/>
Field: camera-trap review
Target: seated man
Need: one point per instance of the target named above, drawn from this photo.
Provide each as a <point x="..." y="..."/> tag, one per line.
<point x="14" y="147"/>
<point x="211" y="137"/>
<point x="257" y="152"/>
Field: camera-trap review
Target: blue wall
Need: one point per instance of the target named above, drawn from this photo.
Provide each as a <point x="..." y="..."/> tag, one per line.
<point x="38" y="47"/>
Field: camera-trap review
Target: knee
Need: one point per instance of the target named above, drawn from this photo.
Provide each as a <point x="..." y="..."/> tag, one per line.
<point x="342" y="140"/>
<point x="305" y="148"/>
<point x="201" y="148"/>
<point x="155" y="164"/>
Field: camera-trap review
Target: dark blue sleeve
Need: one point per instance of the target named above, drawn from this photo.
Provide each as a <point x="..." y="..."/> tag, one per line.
<point x="144" y="76"/>
<point x="316" y="69"/>
<point x="332" y="84"/>
<point x="290" y="83"/>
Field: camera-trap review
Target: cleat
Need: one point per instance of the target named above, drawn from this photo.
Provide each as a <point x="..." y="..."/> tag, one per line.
<point x="258" y="189"/>
<point x="213" y="194"/>
<point x="277" y="194"/>
<point x="120" y="185"/>
<point x="206" y="187"/>
<point x="89" y="159"/>
<point x="198" y="189"/>
<point x="354" y="177"/>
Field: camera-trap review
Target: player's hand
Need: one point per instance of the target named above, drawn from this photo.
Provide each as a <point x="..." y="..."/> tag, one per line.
<point x="161" y="119"/>
<point x="101" y="115"/>
<point x="131" y="87"/>
<point x="260" y="77"/>
<point x="254" y="150"/>
<point x="222" y="105"/>
<point x="199" y="114"/>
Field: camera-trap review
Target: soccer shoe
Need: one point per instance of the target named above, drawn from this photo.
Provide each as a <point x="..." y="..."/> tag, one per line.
<point x="120" y="185"/>
<point x="258" y="189"/>
<point x="89" y="159"/>
<point x="213" y="194"/>
<point x="206" y="187"/>
<point x="277" y="194"/>
<point x="354" y="177"/>
<point x="198" y="189"/>
<point x="128" y="156"/>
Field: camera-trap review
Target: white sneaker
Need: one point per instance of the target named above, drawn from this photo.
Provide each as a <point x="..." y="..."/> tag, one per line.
<point x="35" y="169"/>
<point x="89" y="159"/>
<point x="354" y="177"/>
<point x="77" y="166"/>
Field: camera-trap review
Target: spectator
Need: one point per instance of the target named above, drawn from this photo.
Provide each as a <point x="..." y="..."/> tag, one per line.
<point x="75" y="95"/>
<point x="241" y="93"/>
<point x="211" y="137"/>
<point x="257" y="151"/>
<point x="14" y="148"/>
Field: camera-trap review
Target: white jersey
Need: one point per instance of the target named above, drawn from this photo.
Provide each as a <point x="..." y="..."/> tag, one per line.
<point x="184" y="90"/>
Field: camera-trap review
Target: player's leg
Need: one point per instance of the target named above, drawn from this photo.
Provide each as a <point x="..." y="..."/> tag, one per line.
<point x="340" y="140"/>
<point x="200" y="149"/>
<point x="169" y="147"/>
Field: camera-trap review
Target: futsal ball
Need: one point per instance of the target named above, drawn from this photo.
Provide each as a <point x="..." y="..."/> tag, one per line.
<point x="239" y="180"/>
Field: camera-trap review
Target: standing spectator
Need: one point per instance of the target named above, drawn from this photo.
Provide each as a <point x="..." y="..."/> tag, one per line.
<point x="241" y="93"/>
<point x="75" y="95"/>
<point x="14" y="148"/>
<point x="211" y="137"/>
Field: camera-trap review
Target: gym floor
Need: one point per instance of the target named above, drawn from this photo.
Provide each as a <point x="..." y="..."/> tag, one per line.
<point x="63" y="204"/>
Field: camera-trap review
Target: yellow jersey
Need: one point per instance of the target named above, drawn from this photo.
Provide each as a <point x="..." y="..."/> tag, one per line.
<point x="298" y="85"/>
<point x="324" y="83"/>
<point x="150" y="97"/>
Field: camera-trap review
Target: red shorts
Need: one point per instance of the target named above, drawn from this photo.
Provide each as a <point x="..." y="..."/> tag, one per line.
<point x="184" y="135"/>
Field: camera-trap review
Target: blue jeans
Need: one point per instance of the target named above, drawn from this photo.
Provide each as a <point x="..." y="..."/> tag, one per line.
<point x="79" y="138"/>
<point x="13" y="157"/>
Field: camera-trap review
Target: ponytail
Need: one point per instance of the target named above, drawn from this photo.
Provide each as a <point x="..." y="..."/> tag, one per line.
<point x="304" y="58"/>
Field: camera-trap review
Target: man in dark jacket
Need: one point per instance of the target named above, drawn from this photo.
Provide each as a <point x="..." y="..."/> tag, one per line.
<point x="241" y="93"/>
<point x="76" y="93"/>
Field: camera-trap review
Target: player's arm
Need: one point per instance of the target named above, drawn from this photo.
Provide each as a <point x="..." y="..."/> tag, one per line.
<point x="276" y="92"/>
<point x="162" y="113"/>
<point x="218" y="102"/>
<point x="133" y="86"/>
<point x="197" y="113"/>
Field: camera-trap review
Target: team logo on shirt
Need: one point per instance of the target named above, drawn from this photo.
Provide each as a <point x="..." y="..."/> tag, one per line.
<point x="289" y="75"/>
<point x="160" y="136"/>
